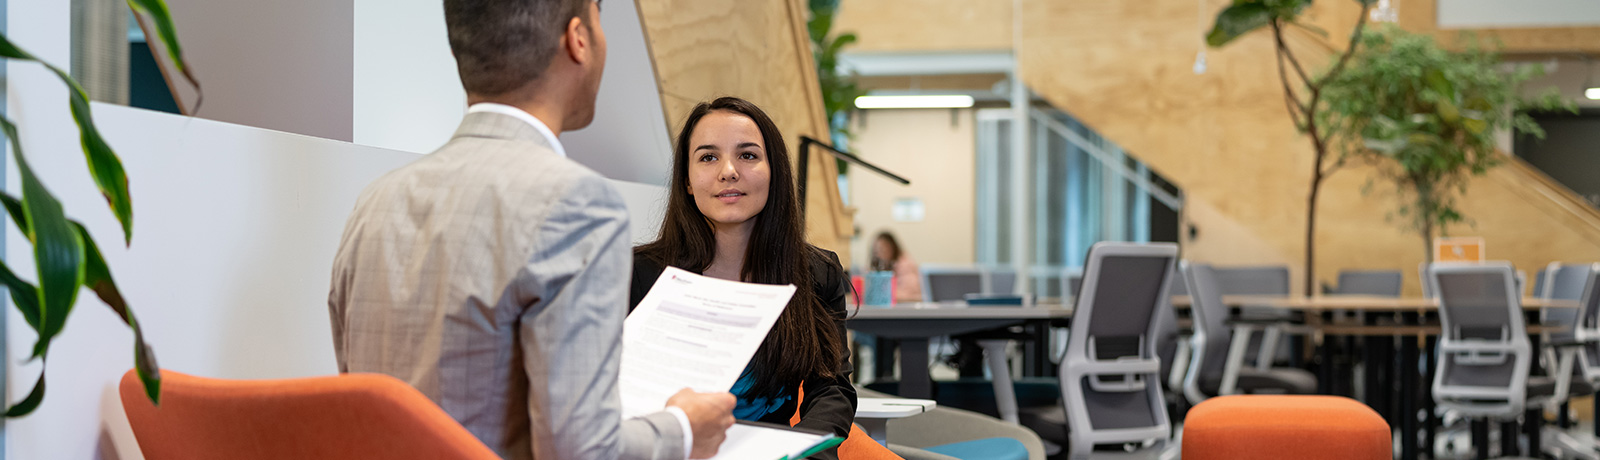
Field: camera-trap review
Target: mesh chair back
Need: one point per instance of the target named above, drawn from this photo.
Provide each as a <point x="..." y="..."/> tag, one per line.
<point x="1563" y="282"/>
<point x="1566" y="282"/>
<point x="950" y="284"/>
<point x="1123" y="305"/>
<point x="1539" y="280"/>
<point x="1427" y="283"/>
<point x="1264" y="281"/>
<point x="1048" y="283"/>
<point x="1110" y="376"/>
<point x="1589" y="326"/>
<point x="1253" y="280"/>
<point x="1384" y="283"/>
<point x="1210" y="315"/>
<point x="1000" y="281"/>
<point x="1483" y="348"/>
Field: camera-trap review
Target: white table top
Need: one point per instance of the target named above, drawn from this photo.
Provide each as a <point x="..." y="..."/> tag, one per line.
<point x="892" y="407"/>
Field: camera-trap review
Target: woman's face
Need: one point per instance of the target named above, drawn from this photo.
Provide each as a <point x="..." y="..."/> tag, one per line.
<point x="881" y="249"/>
<point x="728" y="168"/>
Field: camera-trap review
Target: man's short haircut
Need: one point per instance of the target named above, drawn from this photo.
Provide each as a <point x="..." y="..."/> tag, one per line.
<point x="501" y="45"/>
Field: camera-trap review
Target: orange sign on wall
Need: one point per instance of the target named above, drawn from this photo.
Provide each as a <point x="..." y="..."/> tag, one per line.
<point x="1460" y="249"/>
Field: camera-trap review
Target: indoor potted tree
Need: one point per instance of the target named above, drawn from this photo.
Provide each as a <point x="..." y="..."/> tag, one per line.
<point x="1427" y="118"/>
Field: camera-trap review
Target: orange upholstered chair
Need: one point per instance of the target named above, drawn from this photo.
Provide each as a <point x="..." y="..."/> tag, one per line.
<point x="858" y="445"/>
<point x="342" y="417"/>
<point x="1262" y="427"/>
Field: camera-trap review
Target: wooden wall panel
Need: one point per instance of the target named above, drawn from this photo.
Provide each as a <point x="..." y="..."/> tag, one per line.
<point x="759" y="51"/>
<point x="1225" y="138"/>
<point x="898" y="25"/>
<point x="1125" y="69"/>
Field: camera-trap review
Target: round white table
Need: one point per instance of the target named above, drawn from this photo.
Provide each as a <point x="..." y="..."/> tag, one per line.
<point x="873" y="414"/>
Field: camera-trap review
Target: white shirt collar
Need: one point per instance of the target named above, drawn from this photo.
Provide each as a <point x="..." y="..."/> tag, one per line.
<point x="491" y="107"/>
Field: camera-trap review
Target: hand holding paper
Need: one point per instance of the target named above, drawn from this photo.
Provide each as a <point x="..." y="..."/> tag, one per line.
<point x="709" y="414"/>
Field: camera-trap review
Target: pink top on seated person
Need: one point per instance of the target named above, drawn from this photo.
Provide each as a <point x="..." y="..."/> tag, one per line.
<point x="907" y="283"/>
<point x="907" y="280"/>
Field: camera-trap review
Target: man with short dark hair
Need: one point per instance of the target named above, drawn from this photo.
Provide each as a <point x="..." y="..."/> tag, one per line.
<point x="492" y="274"/>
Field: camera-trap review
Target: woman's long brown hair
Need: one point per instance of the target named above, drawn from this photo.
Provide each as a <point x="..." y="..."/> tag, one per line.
<point x="805" y="342"/>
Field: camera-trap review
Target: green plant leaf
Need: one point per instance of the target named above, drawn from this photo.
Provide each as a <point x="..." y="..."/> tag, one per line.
<point x="839" y="42"/>
<point x="25" y="295"/>
<point x="57" y="249"/>
<point x="104" y="165"/>
<point x="157" y="11"/>
<point x="14" y="208"/>
<point x="1236" y="20"/>
<point x="97" y="277"/>
<point x="819" y="25"/>
<point x="28" y="404"/>
<point x="1448" y="113"/>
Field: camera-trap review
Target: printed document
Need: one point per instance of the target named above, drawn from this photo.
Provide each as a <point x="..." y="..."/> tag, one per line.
<point x="694" y="332"/>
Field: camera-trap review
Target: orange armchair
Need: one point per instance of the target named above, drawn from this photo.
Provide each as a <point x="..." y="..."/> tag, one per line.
<point x="341" y="417"/>
<point x="857" y="446"/>
<point x="1271" y="427"/>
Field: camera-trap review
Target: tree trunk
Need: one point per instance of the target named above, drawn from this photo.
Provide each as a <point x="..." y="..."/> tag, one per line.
<point x="1424" y="209"/>
<point x="1427" y="245"/>
<point x="1309" y="286"/>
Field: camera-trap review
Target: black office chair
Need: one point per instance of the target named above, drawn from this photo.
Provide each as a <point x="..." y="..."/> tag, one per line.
<point x="1217" y="362"/>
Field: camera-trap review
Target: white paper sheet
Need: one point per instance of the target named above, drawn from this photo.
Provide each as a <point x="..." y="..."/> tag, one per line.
<point x="693" y="332"/>
<point x="746" y="442"/>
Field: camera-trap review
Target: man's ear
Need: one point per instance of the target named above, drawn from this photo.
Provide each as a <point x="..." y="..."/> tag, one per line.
<point x="576" y="41"/>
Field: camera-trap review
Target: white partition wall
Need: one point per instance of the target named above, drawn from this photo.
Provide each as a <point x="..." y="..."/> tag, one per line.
<point x="279" y="64"/>
<point x="628" y="139"/>
<point x="407" y="95"/>
<point x="234" y="234"/>
<point x="235" y="226"/>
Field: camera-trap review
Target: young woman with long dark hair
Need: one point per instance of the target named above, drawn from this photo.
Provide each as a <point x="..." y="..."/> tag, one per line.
<point x="732" y="213"/>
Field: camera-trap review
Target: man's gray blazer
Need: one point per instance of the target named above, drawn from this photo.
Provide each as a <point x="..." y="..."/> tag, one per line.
<point x="493" y="275"/>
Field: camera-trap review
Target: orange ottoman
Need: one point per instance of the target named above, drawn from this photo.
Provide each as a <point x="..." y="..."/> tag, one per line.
<point x="1248" y="427"/>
